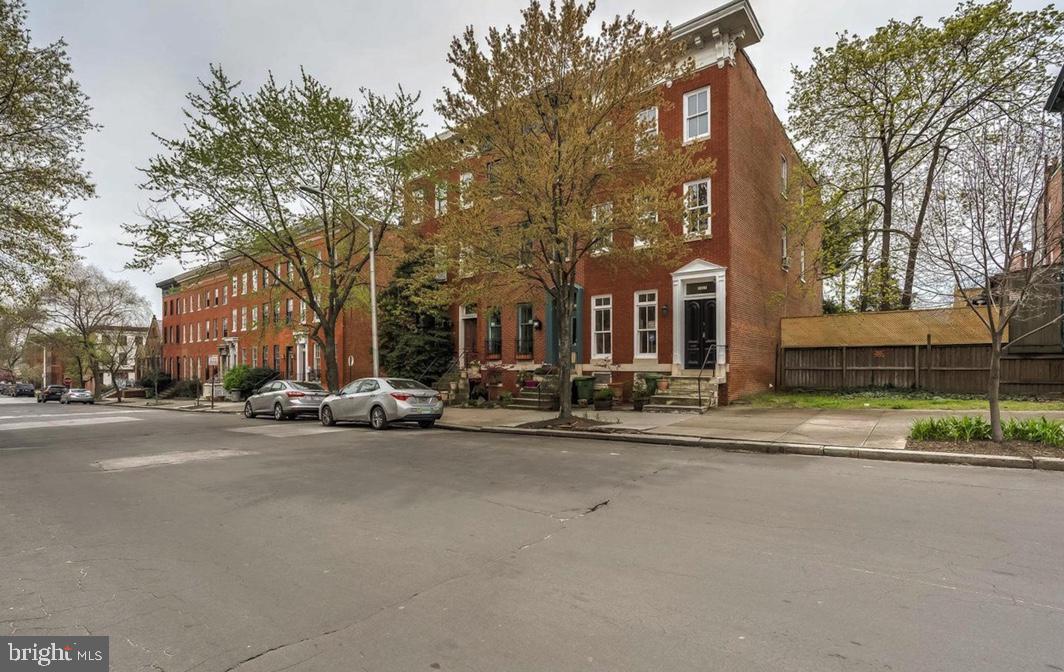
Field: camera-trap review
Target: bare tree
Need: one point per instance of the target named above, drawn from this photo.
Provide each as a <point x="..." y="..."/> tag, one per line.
<point x="982" y="219"/>
<point x="88" y="305"/>
<point x="115" y="350"/>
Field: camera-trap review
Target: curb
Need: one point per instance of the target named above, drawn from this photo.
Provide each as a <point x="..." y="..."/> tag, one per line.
<point x="204" y="409"/>
<point x="773" y="447"/>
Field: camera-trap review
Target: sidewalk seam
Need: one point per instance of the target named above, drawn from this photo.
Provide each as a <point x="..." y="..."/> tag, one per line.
<point x="771" y="447"/>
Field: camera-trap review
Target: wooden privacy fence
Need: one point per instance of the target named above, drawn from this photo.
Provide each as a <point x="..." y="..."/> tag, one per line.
<point x="939" y="350"/>
<point x="936" y="368"/>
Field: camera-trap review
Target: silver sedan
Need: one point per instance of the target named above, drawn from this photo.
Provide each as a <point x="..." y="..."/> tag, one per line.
<point x="77" y="395"/>
<point x="285" y="399"/>
<point x="380" y="401"/>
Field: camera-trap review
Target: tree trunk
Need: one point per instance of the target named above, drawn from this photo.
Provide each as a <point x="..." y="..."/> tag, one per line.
<point x="332" y="368"/>
<point x="565" y="351"/>
<point x="918" y="232"/>
<point x="888" y="222"/>
<point x="993" y="388"/>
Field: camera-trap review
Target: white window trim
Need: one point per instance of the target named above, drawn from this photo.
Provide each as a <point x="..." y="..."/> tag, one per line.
<point x="465" y="181"/>
<point x="440" y="203"/>
<point x="708" y="233"/>
<point x="785" y="174"/>
<point x="606" y="207"/>
<point x="636" y="305"/>
<point x="686" y="116"/>
<point x="594" y="341"/>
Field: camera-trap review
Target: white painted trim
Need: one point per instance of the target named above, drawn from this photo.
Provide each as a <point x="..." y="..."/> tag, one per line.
<point x="594" y="350"/>
<point x="709" y="114"/>
<point x="635" y="325"/>
<point x="697" y="271"/>
<point x="708" y="233"/>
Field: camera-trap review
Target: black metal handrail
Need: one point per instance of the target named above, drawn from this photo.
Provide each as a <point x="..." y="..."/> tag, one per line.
<point x="711" y="352"/>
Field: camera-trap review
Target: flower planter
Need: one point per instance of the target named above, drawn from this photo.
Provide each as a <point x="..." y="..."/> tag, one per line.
<point x="663" y="384"/>
<point x="618" y="390"/>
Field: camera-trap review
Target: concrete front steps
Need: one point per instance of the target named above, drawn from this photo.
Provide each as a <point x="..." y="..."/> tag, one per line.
<point x="527" y="399"/>
<point x="682" y="396"/>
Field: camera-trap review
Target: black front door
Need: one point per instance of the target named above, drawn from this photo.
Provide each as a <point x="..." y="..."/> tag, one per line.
<point x="700" y="331"/>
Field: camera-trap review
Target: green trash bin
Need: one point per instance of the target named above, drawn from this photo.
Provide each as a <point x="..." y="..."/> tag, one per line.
<point x="583" y="388"/>
<point x="652" y="383"/>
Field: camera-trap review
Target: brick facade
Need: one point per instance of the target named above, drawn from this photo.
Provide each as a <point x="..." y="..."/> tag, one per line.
<point x="743" y="255"/>
<point x="219" y="311"/>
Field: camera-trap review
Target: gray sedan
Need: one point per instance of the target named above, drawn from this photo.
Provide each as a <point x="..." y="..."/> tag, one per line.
<point x="77" y="395"/>
<point x="285" y="399"/>
<point x="380" y="401"/>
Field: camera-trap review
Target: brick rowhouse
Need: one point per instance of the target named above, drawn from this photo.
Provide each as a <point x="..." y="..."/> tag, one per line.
<point x="720" y="304"/>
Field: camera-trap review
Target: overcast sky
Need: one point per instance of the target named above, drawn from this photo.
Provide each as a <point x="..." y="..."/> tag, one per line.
<point x="137" y="59"/>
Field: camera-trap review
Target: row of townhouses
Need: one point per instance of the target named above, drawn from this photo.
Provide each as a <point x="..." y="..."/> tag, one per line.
<point x="720" y="302"/>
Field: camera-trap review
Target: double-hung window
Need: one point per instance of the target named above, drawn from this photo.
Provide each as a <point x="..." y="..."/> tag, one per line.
<point x="647" y="121"/>
<point x="602" y="326"/>
<point x="254" y="281"/>
<point x="417" y="203"/>
<point x="236" y="324"/>
<point x="646" y="324"/>
<point x="441" y="199"/>
<point x="696" y="115"/>
<point x="254" y="317"/>
<point x="465" y="183"/>
<point x="602" y="220"/>
<point x="784" y="175"/>
<point x="524" y="329"/>
<point x="243" y="318"/>
<point x="236" y="286"/>
<point x="697" y="220"/>
<point x="494" y="344"/>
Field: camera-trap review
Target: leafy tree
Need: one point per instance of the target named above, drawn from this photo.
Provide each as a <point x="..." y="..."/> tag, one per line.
<point x="415" y="337"/>
<point x="982" y="217"/>
<point x="18" y="323"/>
<point x="287" y="177"/>
<point x="548" y="116"/>
<point x="880" y="113"/>
<point x="43" y="118"/>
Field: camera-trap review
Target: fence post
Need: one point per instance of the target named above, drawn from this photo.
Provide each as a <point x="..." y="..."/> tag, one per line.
<point x="843" y="367"/>
<point x="916" y="367"/>
<point x="930" y="384"/>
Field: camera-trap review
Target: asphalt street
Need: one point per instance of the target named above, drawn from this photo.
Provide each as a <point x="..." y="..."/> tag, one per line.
<point x="213" y="543"/>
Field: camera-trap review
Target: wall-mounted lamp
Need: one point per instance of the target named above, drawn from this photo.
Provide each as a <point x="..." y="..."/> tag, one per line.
<point x="665" y="309"/>
<point x="537" y="324"/>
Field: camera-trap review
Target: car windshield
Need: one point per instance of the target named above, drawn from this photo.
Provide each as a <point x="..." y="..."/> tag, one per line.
<point x="407" y="384"/>
<point x="308" y="387"/>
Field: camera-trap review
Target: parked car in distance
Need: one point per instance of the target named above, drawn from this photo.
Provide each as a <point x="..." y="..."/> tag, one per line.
<point x="23" y="390"/>
<point x="380" y="401"/>
<point x="5" y="386"/>
<point x="51" y="393"/>
<point x="285" y="399"/>
<point x="77" y="395"/>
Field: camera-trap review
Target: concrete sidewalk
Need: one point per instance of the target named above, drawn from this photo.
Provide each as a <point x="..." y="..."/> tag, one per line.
<point x="870" y="428"/>
<point x="860" y="428"/>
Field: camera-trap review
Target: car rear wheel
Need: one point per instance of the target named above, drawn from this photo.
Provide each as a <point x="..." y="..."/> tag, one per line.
<point x="377" y="418"/>
<point x="426" y="424"/>
<point x="249" y="412"/>
<point x="327" y="418"/>
<point x="278" y="412"/>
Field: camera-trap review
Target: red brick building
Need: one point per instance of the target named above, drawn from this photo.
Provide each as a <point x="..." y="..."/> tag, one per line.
<point x="221" y="315"/>
<point x="721" y="303"/>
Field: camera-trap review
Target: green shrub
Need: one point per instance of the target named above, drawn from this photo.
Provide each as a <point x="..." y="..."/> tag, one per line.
<point x="258" y="377"/>
<point x="969" y="428"/>
<point x="235" y="377"/>
<point x="603" y="394"/>
<point x="149" y="379"/>
<point x="187" y="388"/>
<point x="505" y="398"/>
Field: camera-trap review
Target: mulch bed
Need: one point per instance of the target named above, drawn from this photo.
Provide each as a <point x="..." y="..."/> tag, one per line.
<point x="1013" y="448"/>
<point x="576" y="424"/>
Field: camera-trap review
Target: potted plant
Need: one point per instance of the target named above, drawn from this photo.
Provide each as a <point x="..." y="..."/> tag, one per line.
<point x="603" y="399"/>
<point x="663" y="384"/>
<point x="640" y="394"/>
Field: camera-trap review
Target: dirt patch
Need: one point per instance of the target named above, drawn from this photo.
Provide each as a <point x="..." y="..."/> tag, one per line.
<point x="1013" y="448"/>
<point x="574" y="424"/>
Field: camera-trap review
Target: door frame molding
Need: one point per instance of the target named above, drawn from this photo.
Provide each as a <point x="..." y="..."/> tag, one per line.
<point x="698" y="270"/>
